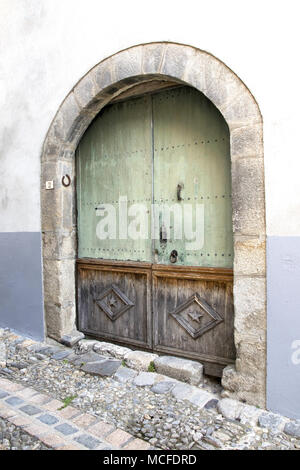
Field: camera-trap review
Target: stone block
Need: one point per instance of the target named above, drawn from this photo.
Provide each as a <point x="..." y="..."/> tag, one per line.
<point x="6" y="412"/>
<point x="27" y="393"/>
<point x="146" y="379"/>
<point x="165" y="386"/>
<point x="85" y="420"/>
<point x="101" y="429"/>
<point x="60" y="319"/>
<point x="59" y="245"/>
<point x="127" y="63"/>
<point x="229" y="408"/>
<point x="61" y="355"/>
<point x="84" y="345"/>
<point x="52" y="440"/>
<point x="292" y="428"/>
<point x="2" y="354"/>
<point x="247" y="141"/>
<point x="88" y="441"/>
<point x="201" y="398"/>
<point x="194" y="73"/>
<point x="85" y="91"/>
<point x="20" y="420"/>
<point x="192" y="394"/>
<point x="153" y="56"/>
<point x="251" y="357"/>
<point x="118" y="438"/>
<point x="137" y="444"/>
<point x="249" y="256"/>
<point x="8" y="386"/>
<point x="249" y="388"/>
<point x="211" y="404"/>
<point x="272" y="421"/>
<point x="37" y="430"/>
<point x="59" y="210"/>
<point x="109" y="349"/>
<point x="30" y="410"/>
<point x="66" y="116"/>
<point x="40" y="399"/>
<point x="69" y="447"/>
<point x="103" y="74"/>
<point x="180" y="369"/>
<point x="48" y="419"/>
<point x="25" y="345"/>
<point x="249" y="415"/>
<point x="53" y="144"/>
<point x="14" y="401"/>
<point x="82" y="359"/>
<point x="68" y="412"/>
<point x="250" y="310"/>
<point x="242" y="111"/>
<point x="104" y="368"/>
<point x="59" y="279"/>
<point x="221" y="85"/>
<point x="72" y="338"/>
<point x="140" y="360"/>
<point x="175" y="60"/>
<point x="53" y="405"/>
<point x="66" y="429"/>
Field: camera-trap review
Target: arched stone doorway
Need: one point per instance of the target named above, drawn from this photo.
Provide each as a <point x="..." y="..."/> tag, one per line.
<point x="114" y="75"/>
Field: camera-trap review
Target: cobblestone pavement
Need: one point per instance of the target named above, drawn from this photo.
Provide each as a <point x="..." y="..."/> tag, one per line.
<point x="142" y="407"/>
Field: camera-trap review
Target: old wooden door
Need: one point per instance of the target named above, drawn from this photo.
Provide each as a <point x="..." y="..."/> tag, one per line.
<point x="155" y="243"/>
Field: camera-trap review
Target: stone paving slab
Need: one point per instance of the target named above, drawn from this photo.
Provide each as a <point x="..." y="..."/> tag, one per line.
<point x="103" y="368"/>
<point x="60" y="429"/>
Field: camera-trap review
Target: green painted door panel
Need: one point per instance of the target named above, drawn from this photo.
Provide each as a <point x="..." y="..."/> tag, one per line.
<point x="171" y="148"/>
<point x="114" y="159"/>
<point x="192" y="173"/>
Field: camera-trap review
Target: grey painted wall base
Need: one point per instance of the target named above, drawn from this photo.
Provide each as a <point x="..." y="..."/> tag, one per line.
<point x="21" y="296"/>
<point x="283" y="294"/>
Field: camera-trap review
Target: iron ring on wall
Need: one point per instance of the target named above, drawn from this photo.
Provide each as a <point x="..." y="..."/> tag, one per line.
<point x="66" y="184"/>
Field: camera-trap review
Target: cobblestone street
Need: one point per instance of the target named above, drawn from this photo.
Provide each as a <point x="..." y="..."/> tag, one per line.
<point x="127" y="408"/>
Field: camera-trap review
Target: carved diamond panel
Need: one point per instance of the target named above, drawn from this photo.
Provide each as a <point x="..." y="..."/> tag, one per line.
<point x="114" y="302"/>
<point x="196" y="316"/>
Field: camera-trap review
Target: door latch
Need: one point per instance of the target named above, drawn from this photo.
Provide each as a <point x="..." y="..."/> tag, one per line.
<point x="162" y="235"/>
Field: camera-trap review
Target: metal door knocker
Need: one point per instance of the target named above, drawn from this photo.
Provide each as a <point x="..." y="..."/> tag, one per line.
<point x="64" y="182"/>
<point x="173" y="256"/>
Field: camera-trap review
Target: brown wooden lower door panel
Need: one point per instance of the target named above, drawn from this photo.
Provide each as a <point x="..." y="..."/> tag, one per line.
<point x="193" y="315"/>
<point x="114" y="302"/>
<point x="183" y="311"/>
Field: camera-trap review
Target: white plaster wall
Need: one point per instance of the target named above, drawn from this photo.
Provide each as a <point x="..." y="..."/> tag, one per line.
<point x="47" y="45"/>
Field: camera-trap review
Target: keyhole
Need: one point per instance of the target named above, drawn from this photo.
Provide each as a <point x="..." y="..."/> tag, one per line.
<point x="173" y="256"/>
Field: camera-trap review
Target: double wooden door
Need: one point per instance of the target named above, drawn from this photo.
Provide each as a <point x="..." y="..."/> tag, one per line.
<point x="155" y="242"/>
